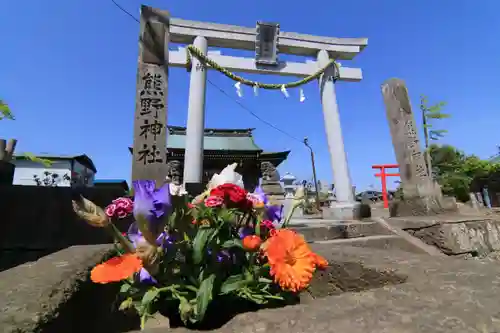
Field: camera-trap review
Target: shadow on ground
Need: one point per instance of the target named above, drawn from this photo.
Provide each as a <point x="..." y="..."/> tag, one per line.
<point x="338" y="278"/>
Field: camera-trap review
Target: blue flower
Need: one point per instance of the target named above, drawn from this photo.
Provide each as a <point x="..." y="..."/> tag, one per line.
<point x="144" y="277"/>
<point x="151" y="208"/>
<point x="245" y="231"/>
<point x="136" y="237"/>
<point x="273" y="212"/>
<point x="259" y="193"/>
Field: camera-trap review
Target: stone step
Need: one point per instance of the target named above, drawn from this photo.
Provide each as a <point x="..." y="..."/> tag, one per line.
<point x="386" y="242"/>
<point x="339" y="230"/>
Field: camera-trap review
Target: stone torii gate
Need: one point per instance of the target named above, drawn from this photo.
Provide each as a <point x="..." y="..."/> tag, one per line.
<point x="158" y="30"/>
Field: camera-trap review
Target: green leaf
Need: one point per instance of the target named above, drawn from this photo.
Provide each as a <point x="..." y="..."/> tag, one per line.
<point x="225" y="215"/>
<point x="124" y="288"/>
<point x="234" y="282"/>
<point x="171" y="220"/>
<point x="204" y="296"/>
<point x="265" y="280"/>
<point x="437" y="115"/>
<point x="200" y="242"/>
<point x="126" y="304"/>
<point x="254" y="297"/>
<point x="185" y="309"/>
<point x="232" y="243"/>
<point x="149" y="297"/>
<point x="5" y="112"/>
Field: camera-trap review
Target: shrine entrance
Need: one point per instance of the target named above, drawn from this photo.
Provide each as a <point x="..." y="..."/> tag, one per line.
<point x="266" y="39"/>
<point x="221" y="148"/>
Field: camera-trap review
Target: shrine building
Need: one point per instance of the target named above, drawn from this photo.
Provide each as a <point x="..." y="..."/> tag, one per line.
<point x="222" y="147"/>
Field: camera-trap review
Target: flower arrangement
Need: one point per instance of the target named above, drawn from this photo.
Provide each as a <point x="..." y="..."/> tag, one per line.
<point x="225" y="241"/>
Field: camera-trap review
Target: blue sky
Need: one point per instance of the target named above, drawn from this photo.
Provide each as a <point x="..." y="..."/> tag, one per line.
<point x="68" y="69"/>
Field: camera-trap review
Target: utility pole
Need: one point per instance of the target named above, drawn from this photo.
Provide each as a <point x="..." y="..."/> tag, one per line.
<point x="318" y="204"/>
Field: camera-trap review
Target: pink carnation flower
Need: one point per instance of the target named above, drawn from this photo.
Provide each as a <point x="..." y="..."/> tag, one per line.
<point x="267" y="224"/>
<point x="110" y="210"/>
<point x="120" y="208"/>
<point x="213" y="201"/>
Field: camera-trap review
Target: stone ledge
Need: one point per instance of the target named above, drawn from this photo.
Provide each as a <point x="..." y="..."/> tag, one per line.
<point x="37" y="296"/>
<point x="480" y="237"/>
<point x="339" y="230"/>
<point x="43" y="297"/>
<point x="419" y="222"/>
<point x="454" y="234"/>
<point x="436" y="299"/>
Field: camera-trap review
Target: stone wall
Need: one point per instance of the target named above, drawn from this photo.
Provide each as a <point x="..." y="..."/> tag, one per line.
<point x="455" y="236"/>
<point x="54" y="294"/>
<point x="40" y="220"/>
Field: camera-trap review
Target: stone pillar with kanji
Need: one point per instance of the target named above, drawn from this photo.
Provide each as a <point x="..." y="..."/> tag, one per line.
<point x="150" y="119"/>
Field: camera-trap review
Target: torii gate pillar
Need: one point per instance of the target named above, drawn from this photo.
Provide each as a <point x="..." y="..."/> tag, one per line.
<point x="342" y="179"/>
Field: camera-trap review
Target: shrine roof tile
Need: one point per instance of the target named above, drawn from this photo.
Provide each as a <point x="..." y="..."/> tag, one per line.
<point x="236" y="143"/>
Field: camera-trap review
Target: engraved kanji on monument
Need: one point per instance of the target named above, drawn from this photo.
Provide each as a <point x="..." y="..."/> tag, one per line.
<point x="421" y="195"/>
<point x="150" y="119"/>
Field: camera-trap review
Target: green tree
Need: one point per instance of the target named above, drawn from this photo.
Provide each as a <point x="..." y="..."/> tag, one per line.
<point x="430" y="113"/>
<point x="455" y="170"/>
<point x="5" y="112"/>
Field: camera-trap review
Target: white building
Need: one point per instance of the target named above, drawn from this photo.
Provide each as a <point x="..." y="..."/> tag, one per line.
<point x="64" y="170"/>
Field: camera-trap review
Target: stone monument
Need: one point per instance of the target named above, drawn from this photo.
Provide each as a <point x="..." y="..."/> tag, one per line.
<point x="288" y="179"/>
<point x="271" y="184"/>
<point x="174" y="172"/>
<point x="421" y="195"/>
<point x="150" y="117"/>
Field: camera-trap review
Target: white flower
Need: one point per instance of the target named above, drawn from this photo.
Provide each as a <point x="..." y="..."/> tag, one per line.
<point x="226" y="176"/>
<point x="177" y="190"/>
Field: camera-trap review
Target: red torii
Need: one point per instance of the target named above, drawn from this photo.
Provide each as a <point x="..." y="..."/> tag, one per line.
<point x="383" y="176"/>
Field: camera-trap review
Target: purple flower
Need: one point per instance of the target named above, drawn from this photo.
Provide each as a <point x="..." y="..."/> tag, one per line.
<point x="245" y="231"/>
<point x="223" y="256"/>
<point x="135" y="236"/>
<point x="273" y="212"/>
<point x="151" y="207"/>
<point x="144" y="277"/>
<point x="259" y="193"/>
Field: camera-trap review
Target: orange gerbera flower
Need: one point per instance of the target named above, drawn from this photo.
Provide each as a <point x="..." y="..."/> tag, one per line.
<point x="291" y="260"/>
<point x="320" y="262"/>
<point x="116" y="269"/>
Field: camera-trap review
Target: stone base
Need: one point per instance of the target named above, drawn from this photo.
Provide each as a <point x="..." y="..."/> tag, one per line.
<point x="347" y="211"/>
<point x="419" y="206"/>
<point x="273" y="188"/>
